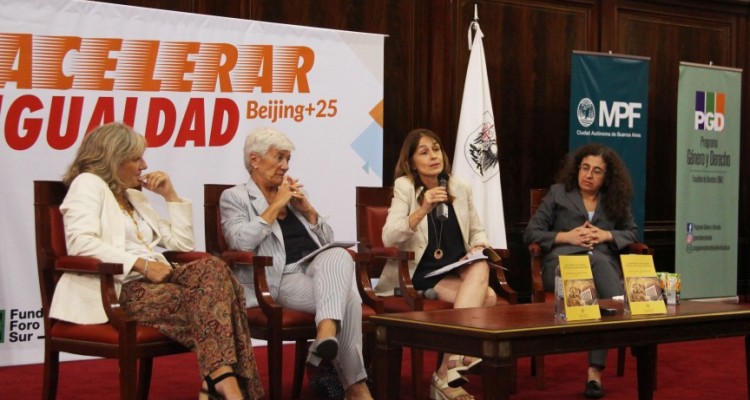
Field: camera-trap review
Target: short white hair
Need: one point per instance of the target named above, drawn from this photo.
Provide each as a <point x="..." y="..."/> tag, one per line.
<point x="261" y="140"/>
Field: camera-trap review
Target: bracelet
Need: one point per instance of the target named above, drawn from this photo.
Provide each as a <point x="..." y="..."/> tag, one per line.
<point x="145" y="270"/>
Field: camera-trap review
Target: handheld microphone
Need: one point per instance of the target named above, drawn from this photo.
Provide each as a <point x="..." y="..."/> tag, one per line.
<point x="429" y="294"/>
<point x="441" y="211"/>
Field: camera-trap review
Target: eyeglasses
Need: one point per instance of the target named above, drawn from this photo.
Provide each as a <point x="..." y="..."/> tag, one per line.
<point x="595" y="172"/>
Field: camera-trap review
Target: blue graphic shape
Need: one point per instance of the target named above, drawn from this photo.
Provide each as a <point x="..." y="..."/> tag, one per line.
<point x="369" y="146"/>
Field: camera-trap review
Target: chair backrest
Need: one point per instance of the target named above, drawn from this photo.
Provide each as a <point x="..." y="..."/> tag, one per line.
<point x="371" y="205"/>
<point x="372" y="209"/>
<point x="537" y="194"/>
<point x="215" y="243"/>
<point x="50" y="234"/>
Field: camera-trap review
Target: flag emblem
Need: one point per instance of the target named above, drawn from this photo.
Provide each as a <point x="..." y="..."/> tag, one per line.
<point x="480" y="149"/>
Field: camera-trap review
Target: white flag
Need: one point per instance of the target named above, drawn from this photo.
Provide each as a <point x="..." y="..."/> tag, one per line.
<point x="476" y="158"/>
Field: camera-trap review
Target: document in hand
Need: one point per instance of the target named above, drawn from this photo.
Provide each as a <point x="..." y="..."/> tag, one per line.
<point x="344" y="243"/>
<point x="483" y="255"/>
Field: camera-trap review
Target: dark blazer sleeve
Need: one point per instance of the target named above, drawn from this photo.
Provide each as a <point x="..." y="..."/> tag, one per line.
<point x="561" y="211"/>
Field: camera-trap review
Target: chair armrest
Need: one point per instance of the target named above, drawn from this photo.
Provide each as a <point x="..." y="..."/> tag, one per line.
<point x="232" y="257"/>
<point x="639" y="248"/>
<point x="260" y="283"/>
<point x="106" y="271"/>
<point x="497" y="274"/>
<point x="537" y="285"/>
<point x="78" y="265"/>
<point x="412" y="297"/>
<point x="364" y="282"/>
<point x="184" y="257"/>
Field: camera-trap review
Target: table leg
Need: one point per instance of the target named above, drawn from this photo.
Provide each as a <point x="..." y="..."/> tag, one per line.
<point x="497" y="378"/>
<point x="646" y="365"/>
<point x="387" y="367"/>
<point x="747" y="364"/>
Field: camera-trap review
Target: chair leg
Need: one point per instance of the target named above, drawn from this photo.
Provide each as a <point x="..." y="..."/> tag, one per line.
<point x="621" y="361"/>
<point x="275" y="356"/>
<point x="144" y="377"/>
<point x="128" y="376"/>
<point x="300" y="359"/>
<point x="51" y="370"/>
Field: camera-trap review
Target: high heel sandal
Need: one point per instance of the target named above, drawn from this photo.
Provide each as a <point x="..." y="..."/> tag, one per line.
<point x="438" y="390"/>
<point x="323" y="350"/>
<point x="211" y="392"/>
<point x="460" y="366"/>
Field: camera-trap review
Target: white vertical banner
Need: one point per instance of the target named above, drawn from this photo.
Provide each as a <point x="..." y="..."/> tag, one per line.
<point x="194" y="85"/>
<point x="476" y="158"/>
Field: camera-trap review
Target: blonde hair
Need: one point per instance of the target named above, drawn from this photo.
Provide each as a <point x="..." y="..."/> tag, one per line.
<point x="102" y="152"/>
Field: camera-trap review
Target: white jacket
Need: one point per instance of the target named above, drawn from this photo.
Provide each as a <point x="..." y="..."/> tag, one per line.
<point x="95" y="226"/>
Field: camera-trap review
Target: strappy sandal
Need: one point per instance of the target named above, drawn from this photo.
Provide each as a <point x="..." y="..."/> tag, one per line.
<point x="211" y="393"/>
<point x="460" y="363"/>
<point x="323" y="350"/>
<point x="440" y="390"/>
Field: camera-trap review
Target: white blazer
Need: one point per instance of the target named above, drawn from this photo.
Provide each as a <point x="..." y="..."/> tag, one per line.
<point x="95" y="226"/>
<point x="397" y="233"/>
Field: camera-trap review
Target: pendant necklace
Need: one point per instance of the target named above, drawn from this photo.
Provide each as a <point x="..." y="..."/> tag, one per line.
<point x="130" y="211"/>
<point x="438" y="238"/>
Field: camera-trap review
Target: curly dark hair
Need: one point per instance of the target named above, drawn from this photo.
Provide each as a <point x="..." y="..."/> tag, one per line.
<point x="617" y="189"/>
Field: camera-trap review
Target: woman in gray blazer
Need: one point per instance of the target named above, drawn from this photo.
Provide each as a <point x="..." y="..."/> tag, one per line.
<point x="413" y="224"/>
<point x="587" y="211"/>
<point x="272" y="216"/>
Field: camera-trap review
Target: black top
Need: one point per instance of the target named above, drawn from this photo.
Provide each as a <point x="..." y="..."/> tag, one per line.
<point x="297" y="242"/>
<point x="452" y="244"/>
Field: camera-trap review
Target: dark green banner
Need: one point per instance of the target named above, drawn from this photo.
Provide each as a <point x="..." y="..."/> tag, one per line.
<point x="707" y="187"/>
<point x="609" y="105"/>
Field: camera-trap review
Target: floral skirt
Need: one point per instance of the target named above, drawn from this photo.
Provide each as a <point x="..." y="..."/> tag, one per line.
<point x="202" y="306"/>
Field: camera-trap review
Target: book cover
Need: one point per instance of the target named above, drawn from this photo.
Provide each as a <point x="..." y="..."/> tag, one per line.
<point x="644" y="295"/>
<point x="579" y="291"/>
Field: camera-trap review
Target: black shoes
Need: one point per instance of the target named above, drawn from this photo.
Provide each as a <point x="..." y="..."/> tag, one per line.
<point x="323" y="350"/>
<point x="593" y="390"/>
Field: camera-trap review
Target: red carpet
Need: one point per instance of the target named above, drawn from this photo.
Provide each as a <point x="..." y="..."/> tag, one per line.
<point x="713" y="369"/>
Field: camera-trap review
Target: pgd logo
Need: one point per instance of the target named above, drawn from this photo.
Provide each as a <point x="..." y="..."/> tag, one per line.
<point x="709" y="111"/>
<point x="620" y="111"/>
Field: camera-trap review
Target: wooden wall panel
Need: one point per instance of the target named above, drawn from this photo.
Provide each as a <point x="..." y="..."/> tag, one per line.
<point x="528" y="45"/>
<point x="669" y="35"/>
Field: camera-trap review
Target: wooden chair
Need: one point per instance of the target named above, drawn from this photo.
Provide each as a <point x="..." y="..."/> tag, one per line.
<point x="270" y="321"/>
<point x="371" y="210"/>
<point x="539" y="295"/>
<point x="121" y="338"/>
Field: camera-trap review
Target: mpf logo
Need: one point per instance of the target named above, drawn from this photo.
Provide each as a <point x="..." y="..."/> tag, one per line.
<point x="620" y="110"/>
<point x="709" y="111"/>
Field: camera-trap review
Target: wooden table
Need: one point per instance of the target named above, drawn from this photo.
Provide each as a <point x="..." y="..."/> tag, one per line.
<point x="500" y="334"/>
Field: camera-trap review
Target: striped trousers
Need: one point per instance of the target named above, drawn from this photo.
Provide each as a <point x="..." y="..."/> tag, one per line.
<point x="326" y="287"/>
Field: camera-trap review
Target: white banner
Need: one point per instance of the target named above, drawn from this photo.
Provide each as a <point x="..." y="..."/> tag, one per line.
<point x="194" y="85"/>
<point x="476" y="157"/>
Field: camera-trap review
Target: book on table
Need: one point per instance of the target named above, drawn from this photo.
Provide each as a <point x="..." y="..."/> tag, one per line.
<point x="579" y="291"/>
<point x="643" y="293"/>
<point x="487" y="254"/>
